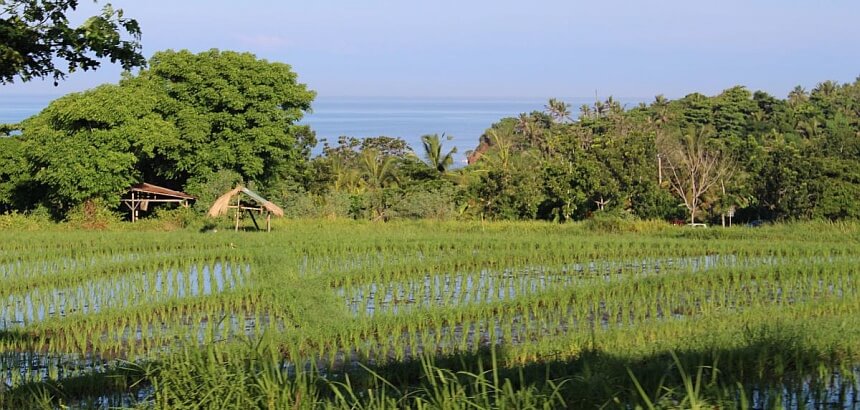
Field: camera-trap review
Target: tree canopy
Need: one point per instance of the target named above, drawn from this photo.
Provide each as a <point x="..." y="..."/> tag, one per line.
<point x="182" y="120"/>
<point x="35" y="35"/>
<point x="201" y="122"/>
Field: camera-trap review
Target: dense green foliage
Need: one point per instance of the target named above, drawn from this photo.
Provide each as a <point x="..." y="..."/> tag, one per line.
<point x="764" y="157"/>
<point x="742" y="154"/>
<point x="442" y="313"/>
<point x="178" y="124"/>
<point x="203" y="122"/>
<point x="35" y="35"/>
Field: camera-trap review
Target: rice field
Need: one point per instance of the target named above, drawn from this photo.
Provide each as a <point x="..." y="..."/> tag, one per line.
<point x="322" y="314"/>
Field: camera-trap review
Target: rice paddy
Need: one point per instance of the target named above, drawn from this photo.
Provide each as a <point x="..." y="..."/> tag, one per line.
<point x="341" y="314"/>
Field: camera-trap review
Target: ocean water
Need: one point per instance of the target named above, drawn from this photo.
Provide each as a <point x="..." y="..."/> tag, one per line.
<point x="464" y="119"/>
<point x="16" y="107"/>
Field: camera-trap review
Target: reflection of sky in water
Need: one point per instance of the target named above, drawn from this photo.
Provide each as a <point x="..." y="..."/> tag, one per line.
<point x="487" y="286"/>
<point x="138" y="288"/>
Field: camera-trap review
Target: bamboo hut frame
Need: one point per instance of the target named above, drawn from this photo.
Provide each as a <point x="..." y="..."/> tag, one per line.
<point x="144" y="194"/>
<point x="226" y="202"/>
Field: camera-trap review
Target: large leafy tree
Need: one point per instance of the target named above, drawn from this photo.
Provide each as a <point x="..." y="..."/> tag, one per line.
<point x="97" y="143"/>
<point x="233" y="111"/>
<point x="37" y="40"/>
<point x="185" y="119"/>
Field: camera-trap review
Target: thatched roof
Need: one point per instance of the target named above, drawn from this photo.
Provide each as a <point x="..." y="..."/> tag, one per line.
<point x="158" y="190"/>
<point x="223" y="203"/>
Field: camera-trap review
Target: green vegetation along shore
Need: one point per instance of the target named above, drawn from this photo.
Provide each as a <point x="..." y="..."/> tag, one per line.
<point x="201" y="123"/>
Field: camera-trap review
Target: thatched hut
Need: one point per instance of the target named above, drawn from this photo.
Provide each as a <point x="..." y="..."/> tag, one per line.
<point x="140" y="196"/>
<point x="243" y="200"/>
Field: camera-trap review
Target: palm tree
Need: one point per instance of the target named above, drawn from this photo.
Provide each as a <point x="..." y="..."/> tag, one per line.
<point x="600" y="109"/>
<point x="500" y="156"/>
<point x="585" y="111"/>
<point x="346" y="179"/>
<point x="797" y="96"/>
<point x="433" y="153"/>
<point x="826" y="88"/>
<point x="378" y="174"/>
<point x="613" y="106"/>
<point x="810" y="129"/>
<point x="660" y="108"/>
<point x="378" y="169"/>
<point x="558" y="110"/>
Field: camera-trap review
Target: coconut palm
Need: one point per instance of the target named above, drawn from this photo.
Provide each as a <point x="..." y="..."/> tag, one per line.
<point x="558" y="110"/>
<point x="660" y="108"/>
<point x="585" y="111"/>
<point x="797" y="96"/>
<point x="378" y="169"/>
<point x="600" y="109"/>
<point x="433" y="153"/>
<point x="826" y="89"/>
<point x="346" y="179"/>
<point x="379" y="173"/>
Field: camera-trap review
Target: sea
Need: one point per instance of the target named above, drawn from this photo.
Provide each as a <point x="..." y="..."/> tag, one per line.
<point x="462" y="119"/>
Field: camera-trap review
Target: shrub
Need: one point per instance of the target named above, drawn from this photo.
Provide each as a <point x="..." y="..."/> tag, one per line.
<point x="24" y="222"/>
<point x="331" y="205"/>
<point x="437" y="203"/>
<point x="178" y="218"/>
<point x="93" y="214"/>
<point x="610" y="222"/>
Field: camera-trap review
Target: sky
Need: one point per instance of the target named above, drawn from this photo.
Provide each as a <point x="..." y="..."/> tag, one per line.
<point x="509" y="49"/>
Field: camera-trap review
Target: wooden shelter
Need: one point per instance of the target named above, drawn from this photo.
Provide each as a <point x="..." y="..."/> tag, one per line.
<point x="143" y="194"/>
<point x="253" y="203"/>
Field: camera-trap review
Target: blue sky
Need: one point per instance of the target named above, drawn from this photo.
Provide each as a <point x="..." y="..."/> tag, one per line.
<point x="502" y="48"/>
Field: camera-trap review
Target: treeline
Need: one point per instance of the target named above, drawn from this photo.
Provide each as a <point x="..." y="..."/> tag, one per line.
<point x="740" y="154"/>
<point x="203" y="122"/>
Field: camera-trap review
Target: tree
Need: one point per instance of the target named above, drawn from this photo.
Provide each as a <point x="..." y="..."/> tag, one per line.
<point x="95" y="144"/>
<point x="694" y="169"/>
<point x="558" y="110"/>
<point x="35" y="34"/>
<point x="433" y="153"/>
<point x="234" y="112"/>
<point x="178" y="123"/>
<point x="379" y="173"/>
<point x="12" y="172"/>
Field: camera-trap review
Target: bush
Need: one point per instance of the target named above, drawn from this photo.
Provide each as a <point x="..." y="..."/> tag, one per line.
<point x="332" y="205"/>
<point x="438" y="203"/>
<point x="93" y="214"/>
<point x="179" y="218"/>
<point x="622" y="221"/>
<point x="609" y="222"/>
<point x="16" y="221"/>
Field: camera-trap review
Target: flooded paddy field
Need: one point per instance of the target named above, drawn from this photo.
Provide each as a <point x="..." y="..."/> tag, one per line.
<point x="767" y="317"/>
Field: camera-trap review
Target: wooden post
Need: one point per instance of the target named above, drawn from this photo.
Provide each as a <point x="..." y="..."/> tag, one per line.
<point x="238" y="209"/>
<point x="253" y="218"/>
<point x="268" y="222"/>
<point x="133" y="208"/>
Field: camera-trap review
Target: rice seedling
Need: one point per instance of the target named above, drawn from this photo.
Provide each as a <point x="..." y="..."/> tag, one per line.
<point x="319" y="315"/>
